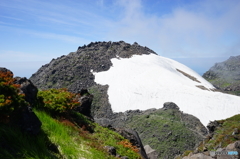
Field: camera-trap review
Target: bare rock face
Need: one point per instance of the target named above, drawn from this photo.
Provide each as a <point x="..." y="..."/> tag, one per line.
<point x="225" y="75"/>
<point x="85" y="103"/>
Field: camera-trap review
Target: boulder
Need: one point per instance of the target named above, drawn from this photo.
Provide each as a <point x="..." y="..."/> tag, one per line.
<point x="151" y="153"/>
<point x="234" y="147"/>
<point x="86" y="103"/>
<point x="27" y="88"/>
<point x="170" y="105"/>
<point x="212" y="126"/>
<point x="135" y="140"/>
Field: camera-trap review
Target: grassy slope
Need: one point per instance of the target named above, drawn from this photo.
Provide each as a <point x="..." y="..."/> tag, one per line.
<point x="223" y="135"/>
<point x="72" y="141"/>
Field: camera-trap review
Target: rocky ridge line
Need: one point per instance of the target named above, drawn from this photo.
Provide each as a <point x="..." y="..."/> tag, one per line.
<point x="74" y="71"/>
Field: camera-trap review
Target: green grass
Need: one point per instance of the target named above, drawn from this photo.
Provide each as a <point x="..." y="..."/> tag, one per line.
<point x="70" y="135"/>
<point x="111" y="138"/>
<point x="224" y="134"/>
<point x="71" y="141"/>
<point x="16" y="144"/>
<point x="65" y="137"/>
<point x="163" y="131"/>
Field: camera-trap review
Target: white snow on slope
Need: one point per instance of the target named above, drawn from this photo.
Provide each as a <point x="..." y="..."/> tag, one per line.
<point x="148" y="81"/>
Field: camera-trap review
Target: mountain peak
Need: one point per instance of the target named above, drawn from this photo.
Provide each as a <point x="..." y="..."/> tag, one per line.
<point x="125" y="77"/>
<point x="74" y="71"/>
<point x="120" y="48"/>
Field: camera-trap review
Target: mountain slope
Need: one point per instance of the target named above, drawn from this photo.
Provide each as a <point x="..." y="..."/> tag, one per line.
<point x="125" y="77"/>
<point x="225" y="75"/>
<point x="148" y="81"/>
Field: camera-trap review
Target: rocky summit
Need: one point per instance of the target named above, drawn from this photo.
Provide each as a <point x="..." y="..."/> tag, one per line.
<point x="74" y="71"/>
<point x="225" y="75"/>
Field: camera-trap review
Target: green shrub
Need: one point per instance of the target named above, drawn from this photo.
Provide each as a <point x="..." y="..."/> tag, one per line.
<point x="57" y="100"/>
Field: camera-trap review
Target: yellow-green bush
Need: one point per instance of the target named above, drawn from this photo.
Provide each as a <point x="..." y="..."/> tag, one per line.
<point x="57" y="100"/>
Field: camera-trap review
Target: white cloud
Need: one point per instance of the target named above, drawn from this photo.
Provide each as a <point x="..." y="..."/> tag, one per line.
<point x="197" y="30"/>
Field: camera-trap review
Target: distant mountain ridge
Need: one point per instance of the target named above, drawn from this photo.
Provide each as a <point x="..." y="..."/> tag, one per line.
<point x="225" y="75"/>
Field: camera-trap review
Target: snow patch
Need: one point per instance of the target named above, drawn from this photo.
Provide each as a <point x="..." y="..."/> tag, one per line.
<point x="148" y="81"/>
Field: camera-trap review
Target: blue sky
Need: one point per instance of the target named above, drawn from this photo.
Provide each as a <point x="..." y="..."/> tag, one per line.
<point x="197" y="33"/>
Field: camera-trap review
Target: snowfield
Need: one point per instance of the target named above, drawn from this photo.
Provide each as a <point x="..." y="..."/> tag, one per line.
<point x="148" y="81"/>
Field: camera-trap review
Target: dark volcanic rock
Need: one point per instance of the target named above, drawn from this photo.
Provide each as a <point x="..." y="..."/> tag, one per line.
<point x="86" y="103"/>
<point x="28" y="89"/>
<point x="133" y="137"/>
<point x="212" y="126"/>
<point x="3" y="69"/>
<point x="225" y="75"/>
<point x="170" y="105"/>
<point x="101" y="107"/>
<point x="74" y="71"/>
<point x="29" y="122"/>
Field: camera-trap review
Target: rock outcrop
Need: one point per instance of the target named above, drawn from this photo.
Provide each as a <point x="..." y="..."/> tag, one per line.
<point x="27" y="88"/>
<point x="225" y="75"/>
<point x="74" y="71"/>
<point x="85" y="103"/>
<point x="133" y="137"/>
